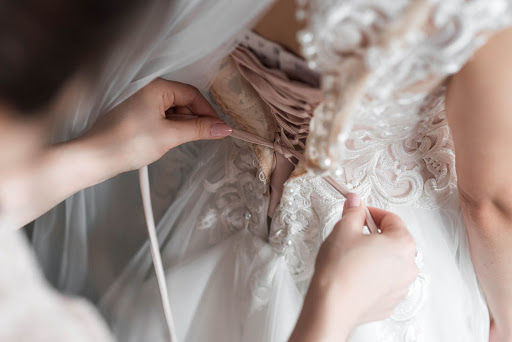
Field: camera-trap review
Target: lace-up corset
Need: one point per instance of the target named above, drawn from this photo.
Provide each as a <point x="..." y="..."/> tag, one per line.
<point x="282" y="99"/>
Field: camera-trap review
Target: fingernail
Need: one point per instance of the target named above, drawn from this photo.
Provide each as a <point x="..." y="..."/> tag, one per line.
<point x="353" y="201"/>
<point x="220" y="130"/>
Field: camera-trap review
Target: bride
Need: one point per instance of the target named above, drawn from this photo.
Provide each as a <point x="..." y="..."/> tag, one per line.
<point x="233" y="273"/>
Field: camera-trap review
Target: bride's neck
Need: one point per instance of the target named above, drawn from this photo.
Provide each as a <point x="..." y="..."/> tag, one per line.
<point x="280" y="26"/>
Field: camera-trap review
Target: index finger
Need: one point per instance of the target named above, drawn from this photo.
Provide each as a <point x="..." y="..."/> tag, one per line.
<point x="387" y="221"/>
<point x="185" y="95"/>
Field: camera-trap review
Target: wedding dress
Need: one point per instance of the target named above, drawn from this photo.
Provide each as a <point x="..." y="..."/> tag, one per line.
<point x="232" y="274"/>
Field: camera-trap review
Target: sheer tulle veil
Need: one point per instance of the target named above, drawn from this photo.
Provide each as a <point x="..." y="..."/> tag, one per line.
<point x="181" y="40"/>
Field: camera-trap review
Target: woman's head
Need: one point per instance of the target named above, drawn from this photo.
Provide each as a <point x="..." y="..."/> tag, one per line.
<point x="42" y="43"/>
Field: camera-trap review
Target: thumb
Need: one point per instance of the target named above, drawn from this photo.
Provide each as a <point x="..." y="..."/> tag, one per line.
<point x="200" y="128"/>
<point x="353" y="218"/>
<point x="388" y="222"/>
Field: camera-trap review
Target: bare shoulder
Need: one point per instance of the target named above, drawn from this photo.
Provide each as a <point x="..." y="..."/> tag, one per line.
<point x="490" y="67"/>
<point x="479" y="111"/>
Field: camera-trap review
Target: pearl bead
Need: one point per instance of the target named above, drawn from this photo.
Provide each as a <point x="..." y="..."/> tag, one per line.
<point x="309" y="51"/>
<point x="305" y="37"/>
<point x="289" y="242"/>
<point x="325" y="162"/>
<point x="312" y="65"/>
<point x="300" y="14"/>
<point x="247" y="215"/>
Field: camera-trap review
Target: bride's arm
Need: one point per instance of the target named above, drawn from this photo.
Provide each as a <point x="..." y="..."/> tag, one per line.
<point x="479" y="109"/>
<point x="132" y="135"/>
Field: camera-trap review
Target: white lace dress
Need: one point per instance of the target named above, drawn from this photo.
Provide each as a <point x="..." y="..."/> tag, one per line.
<point x="233" y="277"/>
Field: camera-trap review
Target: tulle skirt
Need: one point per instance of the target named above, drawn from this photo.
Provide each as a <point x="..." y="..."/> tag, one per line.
<point x="227" y="283"/>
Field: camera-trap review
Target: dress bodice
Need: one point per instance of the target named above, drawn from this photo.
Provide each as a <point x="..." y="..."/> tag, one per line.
<point x="381" y="61"/>
<point x="381" y="129"/>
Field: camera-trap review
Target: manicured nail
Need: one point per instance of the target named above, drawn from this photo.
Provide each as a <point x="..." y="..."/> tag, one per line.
<point x="353" y="201"/>
<point x="221" y="130"/>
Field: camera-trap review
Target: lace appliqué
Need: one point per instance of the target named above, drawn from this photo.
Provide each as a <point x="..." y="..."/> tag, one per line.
<point x="403" y="324"/>
<point x="295" y="228"/>
<point x="398" y="163"/>
<point x="308" y="211"/>
<point x="403" y="162"/>
<point x="372" y="50"/>
<point x="238" y="202"/>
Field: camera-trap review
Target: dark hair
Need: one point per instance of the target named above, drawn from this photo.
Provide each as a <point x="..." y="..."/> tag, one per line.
<point x="42" y="43"/>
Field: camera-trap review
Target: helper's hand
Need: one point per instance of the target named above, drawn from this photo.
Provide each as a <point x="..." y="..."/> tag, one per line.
<point x="374" y="270"/>
<point x="134" y="134"/>
<point x="144" y="127"/>
<point x="358" y="278"/>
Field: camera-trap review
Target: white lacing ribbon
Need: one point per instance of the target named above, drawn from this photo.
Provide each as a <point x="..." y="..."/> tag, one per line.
<point x="155" y="252"/>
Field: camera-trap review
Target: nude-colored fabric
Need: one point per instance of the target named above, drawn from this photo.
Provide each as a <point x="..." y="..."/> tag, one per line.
<point x="238" y="99"/>
<point x="290" y="104"/>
